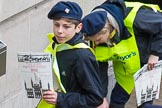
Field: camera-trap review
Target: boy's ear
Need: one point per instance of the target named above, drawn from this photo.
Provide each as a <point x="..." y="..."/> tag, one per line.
<point x="79" y="27"/>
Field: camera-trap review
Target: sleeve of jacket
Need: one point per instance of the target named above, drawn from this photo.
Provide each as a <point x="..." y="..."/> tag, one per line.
<point x="119" y="3"/>
<point x="149" y="23"/>
<point x="87" y="73"/>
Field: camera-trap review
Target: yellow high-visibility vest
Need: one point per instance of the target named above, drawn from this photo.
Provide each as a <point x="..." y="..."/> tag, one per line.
<point x="58" y="48"/>
<point x="125" y="55"/>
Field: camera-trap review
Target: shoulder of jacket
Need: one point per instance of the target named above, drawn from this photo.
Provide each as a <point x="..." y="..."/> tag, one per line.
<point x="50" y="36"/>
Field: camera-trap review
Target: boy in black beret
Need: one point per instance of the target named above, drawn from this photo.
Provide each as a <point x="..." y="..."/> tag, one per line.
<point x="76" y="69"/>
<point x="129" y="37"/>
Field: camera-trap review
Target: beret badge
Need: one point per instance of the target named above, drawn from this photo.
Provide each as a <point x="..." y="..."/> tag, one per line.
<point x="67" y="10"/>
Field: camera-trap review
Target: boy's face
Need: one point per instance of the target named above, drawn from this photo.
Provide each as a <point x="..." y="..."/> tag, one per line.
<point x="64" y="30"/>
<point x="102" y="36"/>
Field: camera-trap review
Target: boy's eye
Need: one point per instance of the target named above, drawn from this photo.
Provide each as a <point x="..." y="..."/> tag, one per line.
<point x="66" y="27"/>
<point x="57" y="25"/>
<point x="98" y="40"/>
<point x="102" y="32"/>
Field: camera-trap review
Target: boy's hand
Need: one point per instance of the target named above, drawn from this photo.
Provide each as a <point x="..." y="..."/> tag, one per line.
<point x="50" y="97"/>
<point x="152" y="61"/>
<point x="104" y="104"/>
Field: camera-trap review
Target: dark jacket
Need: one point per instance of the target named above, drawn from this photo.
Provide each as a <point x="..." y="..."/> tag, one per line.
<point x="148" y="32"/>
<point x="159" y="2"/>
<point x="147" y="27"/>
<point x="79" y="73"/>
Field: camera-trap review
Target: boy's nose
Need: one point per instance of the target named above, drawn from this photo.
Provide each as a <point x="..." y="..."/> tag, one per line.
<point x="60" y="29"/>
<point x="97" y="42"/>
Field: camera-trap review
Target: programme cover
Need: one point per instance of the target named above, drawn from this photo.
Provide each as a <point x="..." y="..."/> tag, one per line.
<point x="147" y="83"/>
<point x="36" y="71"/>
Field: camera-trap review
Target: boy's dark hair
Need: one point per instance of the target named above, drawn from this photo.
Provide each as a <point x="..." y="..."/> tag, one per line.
<point x="73" y="21"/>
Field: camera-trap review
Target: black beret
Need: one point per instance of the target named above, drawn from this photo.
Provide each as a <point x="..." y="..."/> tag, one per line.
<point x="93" y="22"/>
<point x="67" y="10"/>
<point x="115" y="11"/>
